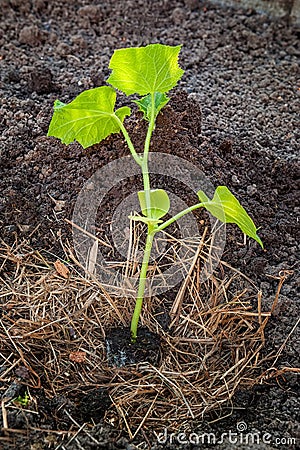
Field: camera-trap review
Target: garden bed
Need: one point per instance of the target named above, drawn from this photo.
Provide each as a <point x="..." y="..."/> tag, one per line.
<point x="234" y="117"/>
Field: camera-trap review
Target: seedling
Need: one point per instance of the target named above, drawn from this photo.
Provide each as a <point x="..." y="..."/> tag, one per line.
<point x="150" y="72"/>
<point x="22" y="400"/>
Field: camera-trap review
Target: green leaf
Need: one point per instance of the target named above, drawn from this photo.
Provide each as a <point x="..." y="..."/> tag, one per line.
<point x="145" y="70"/>
<point x="145" y="104"/>
<point x="58" y="104"/>
<point x="160" y="203"/>
<point x="225" y="207"/>
<point x="89" y="118"/>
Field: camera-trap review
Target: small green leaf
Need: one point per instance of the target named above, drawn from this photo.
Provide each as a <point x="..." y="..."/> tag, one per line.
<point x="145" y="104"/>
<point x="225" y="207"/>
<point x="89" y="118"/>
<point x="160" y="203"/>
<point x="58" y="104"/>
<point x="23" y="401"/>
<point x="145" y="70"/>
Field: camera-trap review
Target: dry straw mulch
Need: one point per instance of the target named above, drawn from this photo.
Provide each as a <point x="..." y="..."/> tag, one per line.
<point x="54" y="320"/>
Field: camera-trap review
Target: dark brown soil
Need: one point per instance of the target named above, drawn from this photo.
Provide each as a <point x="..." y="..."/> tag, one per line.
<point x="120" y="351"/>
<point x="241" y="73"/>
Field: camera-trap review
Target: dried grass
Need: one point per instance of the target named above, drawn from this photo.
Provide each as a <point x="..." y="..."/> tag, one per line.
<point x="212" y="349"/>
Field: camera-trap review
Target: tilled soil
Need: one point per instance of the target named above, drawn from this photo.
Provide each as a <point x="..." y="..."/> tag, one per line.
<point x="234" y="115"/>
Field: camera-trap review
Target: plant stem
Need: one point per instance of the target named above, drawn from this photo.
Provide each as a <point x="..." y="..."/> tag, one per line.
<point x="136" y="157"/>
<point x="144" y="166"/>
<point x="150" y="127"/>
<point x="145" y="263"/>
<point x="143" y="163"/>
<point x="177" y="216"/>
<point x="142" y="283"/>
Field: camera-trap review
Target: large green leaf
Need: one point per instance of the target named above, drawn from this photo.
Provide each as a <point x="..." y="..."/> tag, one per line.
<point x="145" y="70"/>
<point x="160" y="203"/>
<point x="89" y="118"/>
<point x="225" y="207"/>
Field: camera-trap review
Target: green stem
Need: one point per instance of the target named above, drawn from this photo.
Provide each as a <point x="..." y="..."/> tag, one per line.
<point x="136" y="157"/>
<point x="178" y="216"/>
<point x="150" y="127"/>
<point x="142" y="283"/>
<point x="143" y="274"/>
<point x="146" y="153"/>
<point x="143" y="163"/>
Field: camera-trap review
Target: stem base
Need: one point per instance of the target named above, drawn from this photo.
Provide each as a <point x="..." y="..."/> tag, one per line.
<point x="120" y="351"/>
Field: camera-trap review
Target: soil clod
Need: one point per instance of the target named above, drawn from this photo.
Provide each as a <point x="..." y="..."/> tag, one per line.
<point x="121" y="351"/>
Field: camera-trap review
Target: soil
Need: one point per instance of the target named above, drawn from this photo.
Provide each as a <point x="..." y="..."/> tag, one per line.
<point x="120" y="351"/>
<point x="234" y="115"/>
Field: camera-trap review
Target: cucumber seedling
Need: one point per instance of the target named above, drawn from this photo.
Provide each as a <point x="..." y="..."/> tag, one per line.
<point x="149" y="72"/>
